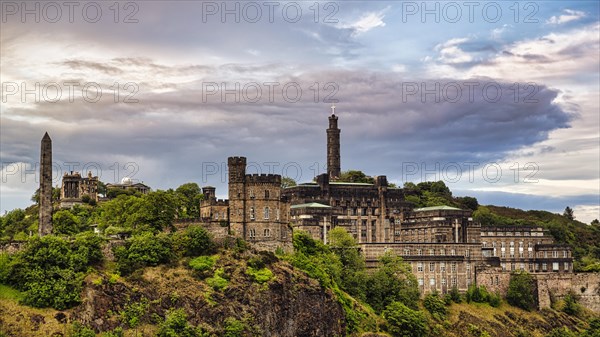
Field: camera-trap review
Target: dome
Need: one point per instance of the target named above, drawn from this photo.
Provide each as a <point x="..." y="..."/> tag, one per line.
<point x="126" y="181"/>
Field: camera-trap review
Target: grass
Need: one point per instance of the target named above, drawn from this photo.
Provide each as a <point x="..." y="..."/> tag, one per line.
<point x="9" y="293"/>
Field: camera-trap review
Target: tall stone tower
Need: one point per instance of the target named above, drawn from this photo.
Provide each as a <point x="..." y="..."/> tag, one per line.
<point x="237" y="195"/>
<point x="333" y="147"/>
<point x="45" y="218"/>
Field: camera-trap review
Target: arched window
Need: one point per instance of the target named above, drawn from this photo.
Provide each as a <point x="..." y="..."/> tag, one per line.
<point x="266" y="194"/>
<point x="266" y="211"/>
<point x="252" y="233"/>
<point x="267" y="232"/>
<point x="251" y="213"/>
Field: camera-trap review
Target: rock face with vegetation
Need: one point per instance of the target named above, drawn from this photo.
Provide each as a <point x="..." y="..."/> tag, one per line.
<point x="285" y="302"/>
<point x="167" y="283"/>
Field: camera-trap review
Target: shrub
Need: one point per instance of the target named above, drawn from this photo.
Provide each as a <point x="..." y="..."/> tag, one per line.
<point x="203" y="263"/>
<point x="494" y="300"/>
<point x="143" y="250"/>
<point x="521" y="290"/>
<point x="477" y="294"/>
<point x="455" y="295"/>
<point x="218" y="281"/>
<point x="233" y="327"/>
<point x="260" y="275"/>
<point x="561" y="332"/>
<point x="404" y="322"/>
<point x="79" y="330"/>
<point x="571" y="307"/>
<point x="435" y="305"/>
<point x="176" y="324"/>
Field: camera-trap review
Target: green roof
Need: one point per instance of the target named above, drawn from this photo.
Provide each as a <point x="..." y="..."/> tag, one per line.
<point x="310" y="205"/>
<point x="437" y="208"/>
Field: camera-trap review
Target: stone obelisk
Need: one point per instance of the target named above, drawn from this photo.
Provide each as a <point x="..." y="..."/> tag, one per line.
<point x="45" y="219"/>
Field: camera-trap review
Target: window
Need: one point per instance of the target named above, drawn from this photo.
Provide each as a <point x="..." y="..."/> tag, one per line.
<point x="442" y="252"/>
<point x="431" y="252"/>
<point x="252" y="233"/>
<point x="266" y="211"/>
<point x="468" y="267"/>
<point x="522" y="266"/>
<point x="421" y="282"/>
<point x="251" y="194"/>
<point x="443" y="281"/>
<point x="419" y="252"/>
<point x="420" y="266"/>
<point x="442" y="266"/>
<point x="566" y="266"/>
<point x="431" y="266"/>
<point x="406" y="251"/>
<point x="251" y="213"/>
<point x="544" y="266"/>
<point x="468" y="253"/>
<point x="565" y="254"/>
<point x="554" y="253"/>
<point x="277" y="214"/>
<point x="266" y="194"/>
<point x="432" y="281"/>
<point x="503" y="266"/>
<point x="453" y="267"/>
<point x="267" y="232"/>
<point x="554" y="266"/>
<point x="453" y="282"/>
<point x="453" y="252"/>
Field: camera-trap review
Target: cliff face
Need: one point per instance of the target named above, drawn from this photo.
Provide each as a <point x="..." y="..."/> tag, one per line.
<point x="290" y="304"/>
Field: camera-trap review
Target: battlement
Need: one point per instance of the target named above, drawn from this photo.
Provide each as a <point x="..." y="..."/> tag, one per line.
<point x="236" y="161"/>
<point x="263" y="178"/>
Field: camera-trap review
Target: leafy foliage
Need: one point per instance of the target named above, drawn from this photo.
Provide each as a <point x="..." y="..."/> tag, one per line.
<point x="353" y="277"/>
<point x="260" y="275"/>
<point x="203" y="263"/>
<point x="435" y="305"/>
<point x="393" y="281"/>
<point x="403" y="321"/>
<point x="50" y="269"/>
<point x="355" y="176"/>
<point x="143" y="250"/>
<point x="521" y="291"/>
<point x="176" y="325"/>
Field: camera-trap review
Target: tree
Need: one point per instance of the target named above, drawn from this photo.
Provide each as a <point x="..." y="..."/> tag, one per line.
<point x="188" y="197"/>
<point x="435" y="305"/>
<point x="392" y="282"/>
<point x="287" y="182"/>
<point x="521" y="291"/>
<point x="595" y="222"/>
<point x="65" y="222"/>
<point x="355" y="176"/>
<point x="404" y="322"/>
<point x="568" y="213"/>
<point x="353" y="277"/>
<point x="145" y="249"/>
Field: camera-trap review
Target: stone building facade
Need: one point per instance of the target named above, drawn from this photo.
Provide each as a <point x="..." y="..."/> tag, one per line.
<point x="443" y="245"/>
<point x="257" y="210"/>
<point x="75" y="187"/>
<point x="128" y="184"/>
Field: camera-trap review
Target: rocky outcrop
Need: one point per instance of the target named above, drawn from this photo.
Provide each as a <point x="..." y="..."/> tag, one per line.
<point x="291" y="304"/>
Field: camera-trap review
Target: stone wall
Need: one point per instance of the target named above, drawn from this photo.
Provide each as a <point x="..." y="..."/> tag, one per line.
<point x="555" y="286"/>
<point x="549" y="286"/>
<point x="12" y="247"/>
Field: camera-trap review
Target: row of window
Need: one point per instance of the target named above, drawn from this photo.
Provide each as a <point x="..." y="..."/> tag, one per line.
<point x="266" y="233"/>
<point x="442" y="266"/>
<point x="252" y="196"/>
<point x="442" y="252"/>
<point x="266" y="213"/>
<point x="537" y="266"/>
<point x="443" y="281"/>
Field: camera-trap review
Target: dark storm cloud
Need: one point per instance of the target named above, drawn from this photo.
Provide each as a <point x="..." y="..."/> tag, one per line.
<point x="382" y="126"/>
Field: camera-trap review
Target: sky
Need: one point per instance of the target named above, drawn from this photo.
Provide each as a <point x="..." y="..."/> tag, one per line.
<point x="500" y="100"/>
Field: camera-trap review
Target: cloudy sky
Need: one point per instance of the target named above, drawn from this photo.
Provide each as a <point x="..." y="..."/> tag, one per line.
<point x="501" y="101"/>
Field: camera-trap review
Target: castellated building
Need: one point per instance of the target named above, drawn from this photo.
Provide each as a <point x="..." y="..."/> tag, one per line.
<point x="443" y="245"/>
<point x="255" y="210"/>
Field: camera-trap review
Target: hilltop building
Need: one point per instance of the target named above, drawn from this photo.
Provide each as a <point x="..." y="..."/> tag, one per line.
<point x="443" y="245"/>
<point x="76" y="189"/>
